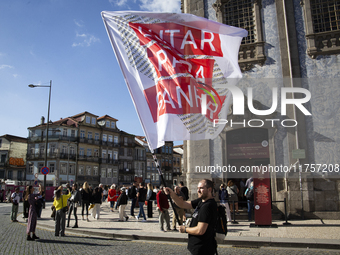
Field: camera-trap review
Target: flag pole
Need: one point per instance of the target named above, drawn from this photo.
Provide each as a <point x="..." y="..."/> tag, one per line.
<point x="163" y="182"/>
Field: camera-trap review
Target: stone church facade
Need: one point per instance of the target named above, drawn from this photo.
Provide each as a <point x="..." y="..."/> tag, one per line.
<point x="291" y="44"/>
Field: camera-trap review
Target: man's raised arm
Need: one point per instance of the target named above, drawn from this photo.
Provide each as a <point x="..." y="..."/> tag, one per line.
<point x="179" y="202"/>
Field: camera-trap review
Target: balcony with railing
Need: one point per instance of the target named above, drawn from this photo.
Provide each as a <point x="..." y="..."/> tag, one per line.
<point x="70" y="156"/>
<point x="128" y="144"/>
<point x="82" y="158"/>
<point x="51" y="155"/>
<point x="126" y="170"/>
<point x="323" y="43"/>
<point x="53" y="137"/>
<point x="36" y="156"/>
<point x="109" y="161"/>
<point x="63" y="155"/>
<point x="141" y="158"/>
<point x="166" y="167"/>
<point x="66" y="138"/>
<point x="251" y="54"/>
<point x="177" y="171"/>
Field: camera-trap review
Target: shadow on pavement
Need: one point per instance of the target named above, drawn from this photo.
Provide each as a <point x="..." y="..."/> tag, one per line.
<point x="65" y="240"/>
<point x="236" y="230"/>
<point x="137" y="229"/>
<point x="310" y="225"/>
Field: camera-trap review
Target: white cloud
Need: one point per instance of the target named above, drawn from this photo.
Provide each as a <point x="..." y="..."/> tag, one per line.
<point x="161" y="5"/>
<point x="87" y="40"/>
<point x="118" y="2"/>
<point x="5" y="66"/>
<point x="78" y="23"/>
<point x="15" y="75"/>
<point x="81" y="35"/>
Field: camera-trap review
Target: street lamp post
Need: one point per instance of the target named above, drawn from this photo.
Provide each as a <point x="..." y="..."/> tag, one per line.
<point x="48" y="122"/>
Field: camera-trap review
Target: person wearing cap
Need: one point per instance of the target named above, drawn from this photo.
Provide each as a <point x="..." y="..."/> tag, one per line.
<point x="122" y="202"/>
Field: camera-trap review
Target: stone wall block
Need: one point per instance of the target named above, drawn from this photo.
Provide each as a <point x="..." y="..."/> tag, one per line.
<point x="320" y="204"/>
<point x="321" y="184"/>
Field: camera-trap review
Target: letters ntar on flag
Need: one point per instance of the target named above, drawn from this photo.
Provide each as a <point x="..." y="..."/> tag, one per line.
<point x="175" y="66"/>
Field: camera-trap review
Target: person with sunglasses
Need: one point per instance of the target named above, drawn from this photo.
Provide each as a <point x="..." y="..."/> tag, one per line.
<point x="201" y="231"/>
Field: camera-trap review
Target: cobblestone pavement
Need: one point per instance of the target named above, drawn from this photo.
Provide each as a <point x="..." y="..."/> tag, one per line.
<point x="13" y="241"/>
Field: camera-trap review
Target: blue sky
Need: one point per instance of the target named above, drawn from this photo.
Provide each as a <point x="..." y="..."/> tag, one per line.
<point x="64" y="41"/>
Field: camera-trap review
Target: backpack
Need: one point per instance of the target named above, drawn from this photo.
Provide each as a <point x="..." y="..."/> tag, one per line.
<point x="221" y="224"/>
<point x="250" y="194"/>
<point x="224" y="194"/>
<point x="132" y="192"/>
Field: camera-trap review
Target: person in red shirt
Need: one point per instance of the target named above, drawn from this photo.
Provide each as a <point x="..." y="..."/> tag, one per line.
<point x="163" y="209"/>
<point x="111" y="196"/>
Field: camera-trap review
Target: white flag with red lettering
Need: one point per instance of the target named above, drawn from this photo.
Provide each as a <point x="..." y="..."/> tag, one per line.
<point x="175" y="66"/>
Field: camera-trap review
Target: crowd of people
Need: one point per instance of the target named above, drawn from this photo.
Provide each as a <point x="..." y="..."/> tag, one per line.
<point x="230" y="195"/>
<point x="67" y="199"/>
<point x="201" y="229"/>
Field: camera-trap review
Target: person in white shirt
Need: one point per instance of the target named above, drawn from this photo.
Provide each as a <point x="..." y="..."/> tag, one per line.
<point x="15" y="198"/>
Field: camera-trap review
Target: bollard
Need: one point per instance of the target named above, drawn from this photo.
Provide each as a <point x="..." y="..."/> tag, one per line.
<point x="286" y="218"/>
<point x="234" y="221"/>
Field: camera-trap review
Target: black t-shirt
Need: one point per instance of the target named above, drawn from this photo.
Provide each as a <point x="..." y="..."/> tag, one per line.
<point x="204" y="212"/>
<point x="132" y="192"/>
<point x="142" y="194"/>
<point x="85" y="196"/>
<point x="97" y="198"/>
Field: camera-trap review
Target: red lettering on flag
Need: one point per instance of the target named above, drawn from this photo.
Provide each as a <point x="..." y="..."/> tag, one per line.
<point x="184" y="40"/>
<point x="180" y="96"/>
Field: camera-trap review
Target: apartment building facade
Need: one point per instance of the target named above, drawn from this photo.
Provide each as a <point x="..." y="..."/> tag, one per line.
<point x="83" y="147"/>
<point x="140" y="160"/>
<point x="126" y="158"/>
<point x="179" y="172"/>
<point x="164" y="157"/>
<point x="13" y="151"/>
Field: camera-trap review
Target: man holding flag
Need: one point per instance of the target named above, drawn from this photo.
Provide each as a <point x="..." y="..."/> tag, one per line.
<point x="179" y="69"/>
<point x="202" y="227"/>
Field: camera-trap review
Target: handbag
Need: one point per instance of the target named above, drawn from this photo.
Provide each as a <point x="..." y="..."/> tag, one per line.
<point x="146" y="202"/>
<point x="53" y="212"/>
<point x="38" y="204"/>
<point x="153" y="196"/>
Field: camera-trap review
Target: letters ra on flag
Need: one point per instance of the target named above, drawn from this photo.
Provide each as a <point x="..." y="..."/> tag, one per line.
<point x="175" y="66"/>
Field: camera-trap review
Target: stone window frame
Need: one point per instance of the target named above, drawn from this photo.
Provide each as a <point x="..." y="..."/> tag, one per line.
<point x="71" y="168"/>
<point x="63" y="168"/>
<point x="81" y="170"/>
<point x="95" y="170"/>
<point x="250" y="54"/>
<point x="103" y="172"/>
<point x="88" y="170"/>
<point x="316" y="41"/>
